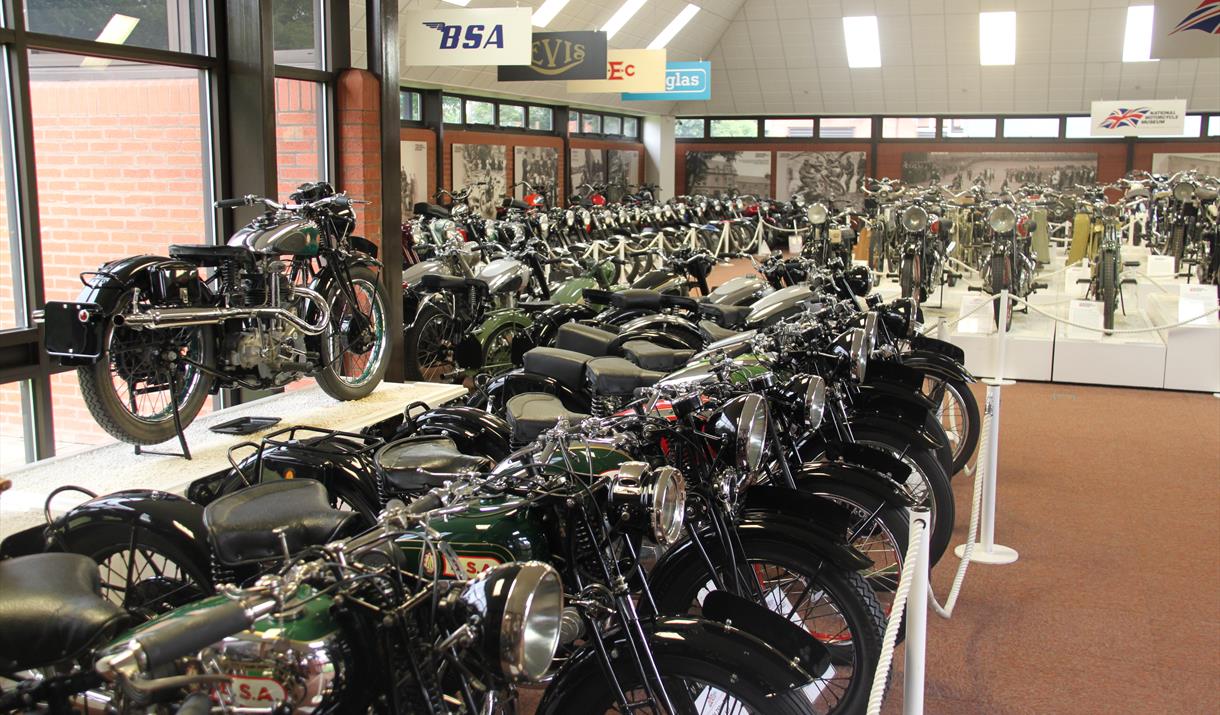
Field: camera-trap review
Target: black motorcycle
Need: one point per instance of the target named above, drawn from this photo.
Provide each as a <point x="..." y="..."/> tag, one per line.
<point x="291" y="294"/>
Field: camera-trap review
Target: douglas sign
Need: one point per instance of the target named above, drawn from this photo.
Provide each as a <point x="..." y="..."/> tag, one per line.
<point x="561" y="55"/>
<point x="684" y="81"/>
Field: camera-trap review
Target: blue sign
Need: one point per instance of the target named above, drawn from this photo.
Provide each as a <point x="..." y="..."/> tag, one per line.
<point x="684" y="82"/>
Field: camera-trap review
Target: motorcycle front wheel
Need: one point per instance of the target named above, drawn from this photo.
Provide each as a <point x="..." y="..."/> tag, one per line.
<point x="429" y="344"/>
<point x="958" y="413"/>
<point x="355" y="352"/>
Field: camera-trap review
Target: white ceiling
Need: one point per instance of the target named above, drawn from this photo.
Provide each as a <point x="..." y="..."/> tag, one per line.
<point x="788" y="56"/>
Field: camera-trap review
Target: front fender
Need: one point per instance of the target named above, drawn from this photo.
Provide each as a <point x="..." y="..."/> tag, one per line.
<point x="498" y="319"/>
<point x="910" y="432"/>
<point x="881" y="484"/>
<point x="937" y="365"/>
<point x="925" y="344"/>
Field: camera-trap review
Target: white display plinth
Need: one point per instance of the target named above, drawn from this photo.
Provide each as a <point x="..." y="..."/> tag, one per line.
<point x="1192" y="352"/>
<point x="1029" y="354"/>
<point x="1129" y="360"/>
<point x="115" y="466"/>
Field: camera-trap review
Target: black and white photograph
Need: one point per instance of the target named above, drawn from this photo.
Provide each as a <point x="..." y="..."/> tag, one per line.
<point x="829" y="176"/>
<point x="1173" y="162"/>
<point x="720" y="173"/>
<point x="622" y="172"/>
<point x="483" y="164"/>
<point x="587" y="166"/>
<point x="414" y="168"/>
<point x="999" y="171"/>
<point x="537" y="166"/>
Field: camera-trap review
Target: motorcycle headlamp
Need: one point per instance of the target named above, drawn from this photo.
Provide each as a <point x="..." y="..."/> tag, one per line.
<point x="1183" y="191"/>
<point x="521" y="604"/>
<point x="659" y="494"/>
<point x="1002" y="219"/>
<point x="1109" y="211"/>
<point x="852" y="345"/>
<point x="871" y="331"/>
<point x="817" y="214"/>
<point x="815" y="401"/>
<point x="914" y="219"/>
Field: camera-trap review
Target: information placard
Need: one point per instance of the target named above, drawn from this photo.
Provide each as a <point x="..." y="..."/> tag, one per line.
<point x="1071" y="278"/>
<point x="1087" y="313"/>
<point x="1195" y="300"/>
<point x="1159" y="267"/>
<point x="979" y="322"/>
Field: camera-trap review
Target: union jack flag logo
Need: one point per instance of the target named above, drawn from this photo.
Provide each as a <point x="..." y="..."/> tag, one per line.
<point x="1125" y="117"/>
<point x="1206" y="17"/>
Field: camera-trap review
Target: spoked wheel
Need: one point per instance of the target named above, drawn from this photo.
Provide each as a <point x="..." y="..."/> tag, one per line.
<point x="430" y="345"/>
<point x="356" y="349"/>
<point x="129" y="390"/>
<point x="147" y="577"/>
<point x="958" y="413"/>
<point x="498" y="348"/>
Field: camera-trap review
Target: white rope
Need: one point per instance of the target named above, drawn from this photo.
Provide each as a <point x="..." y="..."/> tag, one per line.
<point x="928" y="328"/>
<point x="881" y="678"/>
<point x="1065" y="269"/>
<point x="795" y="229"/>
<point x="1125" y="331"/>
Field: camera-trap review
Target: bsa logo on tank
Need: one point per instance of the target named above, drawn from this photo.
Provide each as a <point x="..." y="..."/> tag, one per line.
<point x="561" y="55"/>
<point x="1150" y="117"/>
<point x="627" y="71"/>
<point x="492" y="36"/>
<point x="1186" y="28"/>
<point x="684" y="82"/>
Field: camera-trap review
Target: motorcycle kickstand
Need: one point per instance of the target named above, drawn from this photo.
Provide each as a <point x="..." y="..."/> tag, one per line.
<point x="173" y="397"/>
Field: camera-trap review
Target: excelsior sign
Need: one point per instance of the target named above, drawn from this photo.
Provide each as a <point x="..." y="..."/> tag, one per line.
<point x="562" y="55"/>
<point x="1150" y="117"/>
<point x="493" y="36"/>
<point x="627" y="71"/>
<point x="1186" y="28"/>
<point x="684" y="81"/>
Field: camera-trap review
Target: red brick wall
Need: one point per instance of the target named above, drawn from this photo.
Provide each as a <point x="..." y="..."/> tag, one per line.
<point x="298" y="139"/>
<point x="358" y="106"/>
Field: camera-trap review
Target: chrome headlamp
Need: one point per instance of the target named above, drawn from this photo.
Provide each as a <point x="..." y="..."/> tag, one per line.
<point x="1002" y="219"/>
<point x="520" y="605"/>
<point x="871" y="330"/>
<point x="914" y="219"/>
<point x="815" y="402"/>
<point x="1183" y="191"/>
<point x="818" y="214"/>
<point x="659" y="493"/>
<point x="751" y="432"/>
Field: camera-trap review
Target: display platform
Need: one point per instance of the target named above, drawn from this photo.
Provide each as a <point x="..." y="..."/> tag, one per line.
<point x="115" y="466"/>
<point x="1192" y="352"/>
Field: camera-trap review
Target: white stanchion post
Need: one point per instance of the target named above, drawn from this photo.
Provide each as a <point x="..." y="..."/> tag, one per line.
<point x="917" y="621"/>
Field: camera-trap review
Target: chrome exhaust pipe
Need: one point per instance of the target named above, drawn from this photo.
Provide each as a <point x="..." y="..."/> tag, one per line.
<point x="182" y="317"/>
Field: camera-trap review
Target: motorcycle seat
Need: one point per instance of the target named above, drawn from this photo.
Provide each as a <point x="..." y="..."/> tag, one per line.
<point x="417" y="464"/>
<point x="714" y="332"/>
<point x="651" y="356"/>
<point x="616" y="377"/>
<point x="566" y="366"/>
<point x="51" y="610"/>
<point x="532" y="413"/>
<point x="585" y="339"/>
<point x="726" y="316"/>
<point x="644" y="299"/>
<point x="433" y="210"/>
<point x="241" y="526"/>
<point x="439" y="282"/>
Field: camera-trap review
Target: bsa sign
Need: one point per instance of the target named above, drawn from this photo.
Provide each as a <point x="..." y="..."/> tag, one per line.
<point x="494" y="36"/>
<point x="627" y="71"/>
<point x="1186" y="28"/>
<point x="1139" y="118"/>
<point x="562" y="55"/>
<point x="684" y="81"/>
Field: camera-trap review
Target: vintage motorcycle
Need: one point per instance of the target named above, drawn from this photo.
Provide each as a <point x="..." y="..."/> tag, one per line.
<point x="292" y="294"/>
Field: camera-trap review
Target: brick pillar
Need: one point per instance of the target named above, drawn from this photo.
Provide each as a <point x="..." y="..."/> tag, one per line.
<point x="359" y="123"/>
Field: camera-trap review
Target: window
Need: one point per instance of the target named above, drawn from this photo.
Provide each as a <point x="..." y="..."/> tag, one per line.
<point x="689" y="129"/>
<point x="734" y="128"/>
<point x="968" y="128"/>
<point x="590" y="123"/>
<point x="300" y="131"/>
<point x="1079" y="128"/>
<point x="136" y="23"/>
<point x="1031" y="127"/>
<point x="573" y="122"/>
<point x="13" y="439"/>
<point x="451" y="110"/>
<point x="1194" y="125"/>
<point x="410" y="106"/>
<point x="631" y="127"/>
<point x="1213" y="125"/>
<point x="908" y="128"/>
<point x="512" y="115"/>
<point x="613" y="125"/>
<point x="296" y="26"/>
<point x="845" y="127"/>
<point x="788" y="127"/>
<point x="13" y="311"/>
<point x="542" y="118"/>
<point x="480" y="112"/>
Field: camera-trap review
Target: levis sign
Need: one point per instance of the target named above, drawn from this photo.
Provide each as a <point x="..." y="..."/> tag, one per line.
<point x="562" y="55"/>
<point x="627" y="71"/>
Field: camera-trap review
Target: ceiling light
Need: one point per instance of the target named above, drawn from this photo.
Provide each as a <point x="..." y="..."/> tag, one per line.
<point x="998" y="38"/>
<point x="547" y="12"/>
<point x="863" y="43"/>
<point x="1137" y="40"/>
<point x="674" y="27"/>
<point x="116" y="32"/>
<point x="463" y="3"/>
<point x="621" y="16"/>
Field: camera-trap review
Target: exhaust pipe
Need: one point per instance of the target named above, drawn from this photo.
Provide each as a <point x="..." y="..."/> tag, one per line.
<point x="182" y="317"/>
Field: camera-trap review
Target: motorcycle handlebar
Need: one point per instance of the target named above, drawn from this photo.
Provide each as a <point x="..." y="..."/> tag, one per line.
<point x="246" y="200"/>
<point x="192" y="632"/>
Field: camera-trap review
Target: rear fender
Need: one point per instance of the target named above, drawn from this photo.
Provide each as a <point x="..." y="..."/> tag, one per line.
<point x="680" y="328"/>
<point x="498" y="319"/>
<point x="546" y="324"/>
<point x="472" y="430"/>
<point x="497" y="392"/>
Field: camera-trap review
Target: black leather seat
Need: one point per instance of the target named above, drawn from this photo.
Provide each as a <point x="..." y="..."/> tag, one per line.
<point x="531" y="413"/>
<point x="714" y="332"/>
<point x="51" y="610"/>
<point x="566" y="366"/>
<point x="651" y="356"/>
<point x="417" y="464"/>
<point x="241" y="526"/>
<point x="438" y="282"/>
<point x="616" y="377"/>
<point x="586" y="339"/>
<point x="433" y="210"/>
<point x="727" y="316"/>
<point x="637" y="299"/>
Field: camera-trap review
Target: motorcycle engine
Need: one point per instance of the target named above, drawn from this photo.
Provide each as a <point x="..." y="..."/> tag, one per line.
<point x="277" y="674"/>
<point x="269" y="351"/>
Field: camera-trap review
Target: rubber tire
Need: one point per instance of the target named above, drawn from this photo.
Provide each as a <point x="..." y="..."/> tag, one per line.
<point x="411" y="341"/>
<point x="513" y="328"/>
<point x="850" y="592"/>
<point x="896" y="519"/>
<point x="906" y="277"/>
<point x="330" y="383"/>
<point x="1107" y="290"/>
<point x="115" y="419"/>
<point x="970" y="408"/>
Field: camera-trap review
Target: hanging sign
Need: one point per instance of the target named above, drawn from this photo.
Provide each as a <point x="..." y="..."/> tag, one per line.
<point x="486" y="36"/>
<point x="627" y="71"/>
<point x="1186" y="28"/>
<point x="1147" y="117"/>
<point x="561" y="55"/>
<point x="684" y="82"/>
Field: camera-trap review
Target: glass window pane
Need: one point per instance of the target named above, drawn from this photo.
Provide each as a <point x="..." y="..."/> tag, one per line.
<point x="689" y="129"/>
<point x="1078" y="128"/>
<point x="300" y="130"/>
<point x="573" y="122"/>
<point x="631" y="127"/>
<point x="451" y="108"/>
<point x="542" y="119"/>
<point x="410" y="108"/>
<point x="136" y="23"/>
<point x="512" y="115"/>
<point x="297" y="28"/>
<point x="788" y="127"/>
<point x="1194" y="125"/>
<point x="591" y="123"/>
<point x="845" y="127"/>
<point x="968" y="128"/>
<point x="734" y="128"/>
<point x="908" y="128"/>
<point x="613" y="125"/>
<point x="12" y="428"/>
<point x="480" y="112"/>
<point x="13" y="313"/>
<point x="1213" y="126"/>
<point x="1031" y="127"/>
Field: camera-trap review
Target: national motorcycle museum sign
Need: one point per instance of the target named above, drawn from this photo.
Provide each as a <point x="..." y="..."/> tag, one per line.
<point x="494" y="36"/>
<point x="1150" y="117"/>
<point x="561" y="55"/>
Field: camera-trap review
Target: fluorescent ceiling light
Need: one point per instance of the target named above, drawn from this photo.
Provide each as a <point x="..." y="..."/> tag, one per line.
<point x="621" y="16"/>
<point x="1137" y="40"/>
<point x="674" y="27"/>
<point x="116" y="32"/>
<point x="463" y="3"/>
<point x="863" y="43"/>
<point x="547" y="12"/>
<point x="998" y="38"/>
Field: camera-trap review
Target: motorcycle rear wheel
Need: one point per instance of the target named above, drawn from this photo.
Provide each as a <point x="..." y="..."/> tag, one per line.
<point x="429" y="346"/>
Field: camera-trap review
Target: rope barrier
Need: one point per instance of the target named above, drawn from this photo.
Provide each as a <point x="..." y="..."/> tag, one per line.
<point x="795" y="229"/>
<point x="1124" y="331"/>
<point x="928" y="329"/>
<point x="881" y="678"/>
<point x="976" y="510"/>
